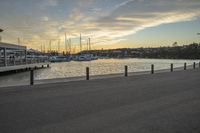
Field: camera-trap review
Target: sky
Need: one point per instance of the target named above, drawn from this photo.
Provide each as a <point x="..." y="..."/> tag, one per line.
<point x="109" y="23"/>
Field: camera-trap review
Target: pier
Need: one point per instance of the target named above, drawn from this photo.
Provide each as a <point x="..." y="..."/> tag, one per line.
<point x="14" y="57"/>
<point x="154" y="103"/>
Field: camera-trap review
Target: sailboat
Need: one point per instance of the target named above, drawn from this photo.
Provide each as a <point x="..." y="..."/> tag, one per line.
<point x="83" y="57"/>
<point x="60" y="58"/>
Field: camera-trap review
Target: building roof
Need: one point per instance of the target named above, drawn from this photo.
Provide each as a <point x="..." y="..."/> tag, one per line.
<point x="12" y="46"/>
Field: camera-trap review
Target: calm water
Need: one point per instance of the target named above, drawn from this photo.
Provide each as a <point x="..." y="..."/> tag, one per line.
<point x="97" y="67"/>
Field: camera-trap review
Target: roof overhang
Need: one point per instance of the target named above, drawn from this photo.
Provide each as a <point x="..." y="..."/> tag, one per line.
<point x="12" y="46"/>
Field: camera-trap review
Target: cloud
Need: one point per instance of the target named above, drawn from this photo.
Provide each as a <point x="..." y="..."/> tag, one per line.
<point x="52" y="2"/>
<point x="45" y="18"/>
<point x="122" y="18"/>
<point x="129" y="17"/>
<point x="45" y="4"/>
<point x="123" y="3"/>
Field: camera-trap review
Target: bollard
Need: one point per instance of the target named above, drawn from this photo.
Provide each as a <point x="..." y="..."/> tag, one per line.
<point x="199" y="64"/>
<point x="31" y="77"/>
<point x="185" y="66"/>
<point x="47" y="65"/>
<point x="172" y="67"/>
<point x="87" y="73"/>
<point x="126" y="71"/>
<point x="194" y="65"/>
<point x="152" y="69"/>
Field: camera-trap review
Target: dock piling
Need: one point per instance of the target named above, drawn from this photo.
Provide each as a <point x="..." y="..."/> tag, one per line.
<point x="87" y="73"/>
<point x="185" y="66"/>
<point x="126" y="71"/>
<point x="152" y="69"/>
<point x="172" y="67"/>
<point x="31" y="77"/>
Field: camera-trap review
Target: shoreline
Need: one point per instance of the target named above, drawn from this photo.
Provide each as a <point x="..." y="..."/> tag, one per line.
<point x="93" y="77"/>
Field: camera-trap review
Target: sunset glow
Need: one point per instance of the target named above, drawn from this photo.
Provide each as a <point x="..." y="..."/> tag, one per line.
<point x="109" y="23"/>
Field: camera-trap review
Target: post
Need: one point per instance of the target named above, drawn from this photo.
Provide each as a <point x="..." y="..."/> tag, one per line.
<point x="47" y="65"/>
<point x="172" y="67"/>
<point x="185" y="66"/>
<point x="87" y="73"/>
<point x="126" y="71"/>
<point x="5" y="57"/>
<point x="199" y="64"/>
<point x="194" y="65"/>
<point x="152" y="69"/>
<point x="31" y="77"/>
<point x="25" y="56"/>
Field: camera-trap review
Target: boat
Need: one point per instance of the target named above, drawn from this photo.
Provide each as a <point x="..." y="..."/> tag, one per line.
<point x="85" y="57"/>
<point x="60" y="59"/>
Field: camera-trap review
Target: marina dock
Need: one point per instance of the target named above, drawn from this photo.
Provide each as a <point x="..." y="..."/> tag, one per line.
<point x="155" y="103"/>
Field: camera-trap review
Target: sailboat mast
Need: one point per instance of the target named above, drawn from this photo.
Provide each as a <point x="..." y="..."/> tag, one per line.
<point x="41" y="48"/>
<point x="89" y="44"/>
<point x="18" y="41"/>
<point x="65" y="43"/>
<point x="58" y="46"/>
<point x="44" y="48"/>
<point x="80" y="43"/>
<point x="50" y="46"/>
<point x="69" y="45"/>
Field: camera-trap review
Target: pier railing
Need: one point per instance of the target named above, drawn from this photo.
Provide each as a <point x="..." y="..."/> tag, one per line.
<point x="21" y="61"/>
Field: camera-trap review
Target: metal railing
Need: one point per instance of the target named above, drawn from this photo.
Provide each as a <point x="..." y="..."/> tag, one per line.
<point x="21" y="61"/>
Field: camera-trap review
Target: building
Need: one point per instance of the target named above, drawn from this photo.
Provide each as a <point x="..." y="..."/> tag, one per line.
<point x="11" y="54"/>
<point x="14" y="57"/>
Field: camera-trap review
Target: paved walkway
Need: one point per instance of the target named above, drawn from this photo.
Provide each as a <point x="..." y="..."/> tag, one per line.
<point x="159" y="103"/>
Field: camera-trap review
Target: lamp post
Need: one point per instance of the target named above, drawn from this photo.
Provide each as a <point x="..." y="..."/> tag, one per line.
<point x="1" y="30"/>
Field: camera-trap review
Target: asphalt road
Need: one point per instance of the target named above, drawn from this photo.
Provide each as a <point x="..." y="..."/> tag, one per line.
<point x="159" y="103"/>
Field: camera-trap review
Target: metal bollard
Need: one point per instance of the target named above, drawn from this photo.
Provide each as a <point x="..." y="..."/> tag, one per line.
<point x="152" y="69"/>
<point x="126" y="71"/>
<point x="87" y="73"/>
<point x="194" y="65"/>
<point x="199" y="64"/>
<point x="185" y="66"/>
<point x="31" y="77"/>
<point x="172" y="67"/>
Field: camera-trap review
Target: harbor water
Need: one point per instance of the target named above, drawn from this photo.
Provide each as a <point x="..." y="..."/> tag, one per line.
<point x="97" y="67"/>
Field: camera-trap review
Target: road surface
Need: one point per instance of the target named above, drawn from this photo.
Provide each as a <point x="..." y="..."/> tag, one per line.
<point x="158" y="103"/>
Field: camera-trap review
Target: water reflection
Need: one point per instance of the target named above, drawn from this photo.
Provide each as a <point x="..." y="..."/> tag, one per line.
<point x="97" y="67"/>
